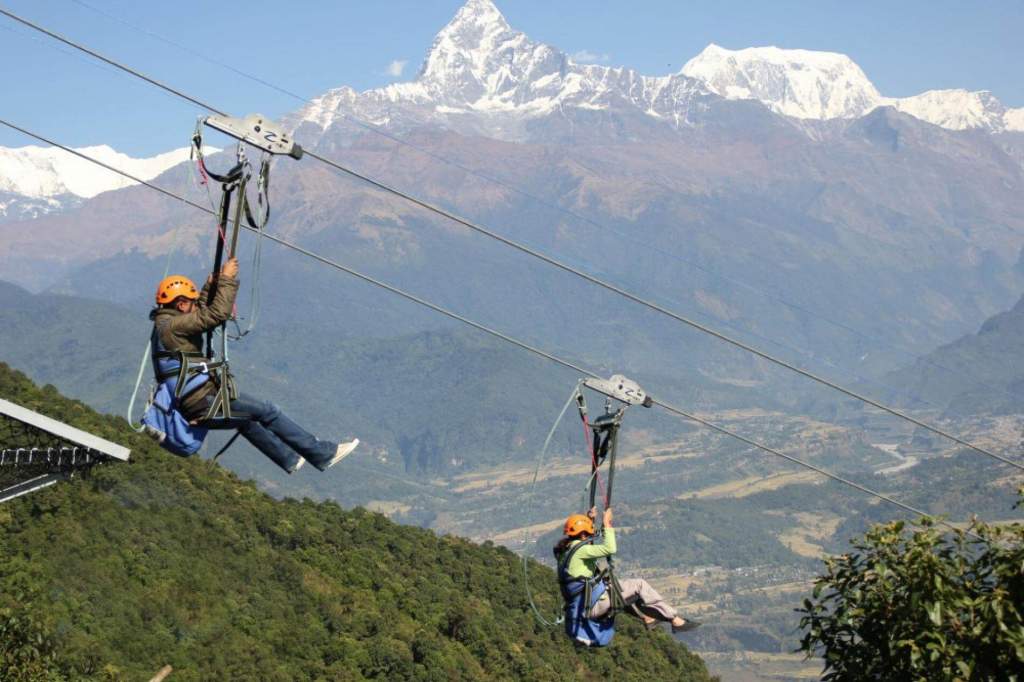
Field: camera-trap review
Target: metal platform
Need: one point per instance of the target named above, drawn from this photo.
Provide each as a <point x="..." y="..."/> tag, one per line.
<point x="37" y="451"/>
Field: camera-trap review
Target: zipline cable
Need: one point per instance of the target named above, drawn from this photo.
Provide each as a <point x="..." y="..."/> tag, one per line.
<point x="552" y="261"/>
<point x="531" y="492"/>
<point x="555" y="207"/>
<point x="443" y="159"/>
<point x="497" y="334"/>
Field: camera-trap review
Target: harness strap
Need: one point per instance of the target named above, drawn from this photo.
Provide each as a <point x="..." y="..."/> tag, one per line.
<point x="572" y="588"/>
<point x="187" y="371"/>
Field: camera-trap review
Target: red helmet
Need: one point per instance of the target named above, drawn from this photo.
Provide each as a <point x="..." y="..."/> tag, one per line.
<point x="578" y="524"/>
<point x="174" y="286"/>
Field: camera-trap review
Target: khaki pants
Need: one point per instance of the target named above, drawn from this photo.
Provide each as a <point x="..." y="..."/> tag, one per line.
<point x="639" y="592"/>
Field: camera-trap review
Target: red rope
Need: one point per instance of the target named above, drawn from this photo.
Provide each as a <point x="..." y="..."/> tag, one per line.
<point x="202" y="171"/>
<point x="593" y="457"/>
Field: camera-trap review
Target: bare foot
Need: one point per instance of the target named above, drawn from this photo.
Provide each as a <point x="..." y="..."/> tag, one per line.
<point x="684" y="624"/>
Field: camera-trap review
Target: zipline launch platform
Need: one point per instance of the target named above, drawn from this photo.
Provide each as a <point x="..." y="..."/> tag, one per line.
<point x="37" y="451"/>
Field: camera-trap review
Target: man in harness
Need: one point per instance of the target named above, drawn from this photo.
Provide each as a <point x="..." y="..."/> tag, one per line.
<point x="589" y="612"/>
<point x="180" y="319"/>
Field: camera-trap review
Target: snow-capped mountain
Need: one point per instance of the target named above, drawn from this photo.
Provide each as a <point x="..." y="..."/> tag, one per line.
<point x="40" y="172"/>
<point x="37" y="181"/>
<point x="797" y="83"/>
<point x="824" y="85"/>
<point x="961" y="109"/>
<point x="487" y="77"/>
<point x="482" y="76"/>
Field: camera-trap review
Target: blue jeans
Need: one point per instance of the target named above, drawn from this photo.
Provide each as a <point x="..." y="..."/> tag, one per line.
<point x="275" y="435"/>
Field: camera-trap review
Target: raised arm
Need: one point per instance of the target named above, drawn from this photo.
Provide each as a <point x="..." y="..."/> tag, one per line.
<point x="207" y="317"/>
<point x="607" y="545"/>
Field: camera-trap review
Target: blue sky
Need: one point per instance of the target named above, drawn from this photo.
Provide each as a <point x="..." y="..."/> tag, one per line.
<point x="904" y="47"/>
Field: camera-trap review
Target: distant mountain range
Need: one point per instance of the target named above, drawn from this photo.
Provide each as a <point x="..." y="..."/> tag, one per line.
<point x="36" y="181"/>
<point x="483" y="75"/>
<point x="823" y="85"/>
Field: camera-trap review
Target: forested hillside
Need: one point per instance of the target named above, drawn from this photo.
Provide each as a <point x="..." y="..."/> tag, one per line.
<point x="171" y="561"/>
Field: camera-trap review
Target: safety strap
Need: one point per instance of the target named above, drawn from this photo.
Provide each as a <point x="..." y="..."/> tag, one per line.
<point x="563" y="567"/>
<point x="227" y="445"/>
<point x="606" y="574"/>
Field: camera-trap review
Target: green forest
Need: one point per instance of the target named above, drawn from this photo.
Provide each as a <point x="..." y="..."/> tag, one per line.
<point x="176" y="561"/>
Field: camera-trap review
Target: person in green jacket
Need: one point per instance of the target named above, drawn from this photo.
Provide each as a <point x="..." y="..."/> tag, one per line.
<point x="180" y="319"/>
<point x="645" y="602"/>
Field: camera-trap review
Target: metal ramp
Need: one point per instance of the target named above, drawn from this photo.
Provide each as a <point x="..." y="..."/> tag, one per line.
<point x="37" y="451"/>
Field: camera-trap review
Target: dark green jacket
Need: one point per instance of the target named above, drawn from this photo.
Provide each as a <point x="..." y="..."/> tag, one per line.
<point x="184" y="332"/>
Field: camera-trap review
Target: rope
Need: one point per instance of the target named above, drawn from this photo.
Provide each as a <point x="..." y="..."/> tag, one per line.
<point x="665" y="311"/>
<point x="595" y="472"/>
<point x="255" y="293"/>
<point x="529" y="498"/>
<point x="488" y="330"/>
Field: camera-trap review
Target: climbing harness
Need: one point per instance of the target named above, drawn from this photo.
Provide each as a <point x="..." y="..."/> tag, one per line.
<point x="266" y="136"/>
<point x="579" y="596"/>
<point x="602" y="445"/>
<point x="147" y="358"/>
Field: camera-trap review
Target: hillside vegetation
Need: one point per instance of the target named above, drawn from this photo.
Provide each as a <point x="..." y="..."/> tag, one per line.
<point x="171" y="561"/>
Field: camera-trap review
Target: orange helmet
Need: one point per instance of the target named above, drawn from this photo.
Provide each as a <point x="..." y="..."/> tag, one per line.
<point x="174" y="286"/>
<point x="577" y="524"/>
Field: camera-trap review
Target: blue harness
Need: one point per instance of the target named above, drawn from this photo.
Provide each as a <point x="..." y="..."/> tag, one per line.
<point x="162" y="418"/>
<point x="580" y="595"/>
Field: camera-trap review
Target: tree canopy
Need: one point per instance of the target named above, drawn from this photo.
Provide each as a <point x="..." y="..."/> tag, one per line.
<point x="916" y="602"/>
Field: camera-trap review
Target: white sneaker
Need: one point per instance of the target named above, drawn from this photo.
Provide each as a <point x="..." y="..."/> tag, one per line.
<point x="297" y="466"/>
<point x="344" y="449"/>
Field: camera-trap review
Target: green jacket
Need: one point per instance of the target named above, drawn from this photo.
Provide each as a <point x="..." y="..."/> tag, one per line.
<point x="584" y="561"/>
<point x="184" y="332"/>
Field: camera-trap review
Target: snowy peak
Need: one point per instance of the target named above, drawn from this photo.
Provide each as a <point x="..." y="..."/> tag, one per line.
<point x="824" y="85"/>
<point x="476" y="31"/>
<point x="478" y="57"/>
<point x="483" y="77"/>
<point x="959" y="109"/>
<point x="797" y="83"/>
<point x="45" y="172"/>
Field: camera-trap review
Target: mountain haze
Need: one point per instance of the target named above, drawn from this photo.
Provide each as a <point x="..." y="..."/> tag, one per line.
<point x="848" y="245"/>
<point x="988" y="369"/>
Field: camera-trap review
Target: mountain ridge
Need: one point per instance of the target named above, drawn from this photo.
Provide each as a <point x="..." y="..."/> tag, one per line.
<point x="988" y="377"/>
<point x="482" y="76"/>
<point x="39" y="181"/>
<point x="479" y="66"/>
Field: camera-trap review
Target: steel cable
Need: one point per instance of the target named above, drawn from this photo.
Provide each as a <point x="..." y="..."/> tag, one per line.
<point x="550" y="260"/>
<point x="497" y="334"/>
